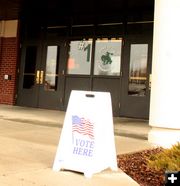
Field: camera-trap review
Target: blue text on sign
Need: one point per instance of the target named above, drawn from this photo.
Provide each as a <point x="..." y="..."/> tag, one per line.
<point x="83" y="147"/>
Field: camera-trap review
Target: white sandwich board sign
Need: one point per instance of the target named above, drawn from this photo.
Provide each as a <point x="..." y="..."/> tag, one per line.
<point x="87" y="139"/>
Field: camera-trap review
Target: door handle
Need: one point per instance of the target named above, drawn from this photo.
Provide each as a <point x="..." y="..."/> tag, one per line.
<point x="41" y="77"/>
<point x="37" y="77"/>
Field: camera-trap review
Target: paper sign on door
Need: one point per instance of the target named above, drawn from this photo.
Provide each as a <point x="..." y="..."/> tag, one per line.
<point x="87" y="138"/>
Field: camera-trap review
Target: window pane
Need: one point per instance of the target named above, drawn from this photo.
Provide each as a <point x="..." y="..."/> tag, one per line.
<point x="30" y="65"/>
<point x="108" y="57"/>
<point x="51" y="75"/>
<point x="138" y="69"/>
<point x="79" y="61"/>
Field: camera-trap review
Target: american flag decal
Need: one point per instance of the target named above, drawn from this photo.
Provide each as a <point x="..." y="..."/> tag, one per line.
<point x="82" y="126"/>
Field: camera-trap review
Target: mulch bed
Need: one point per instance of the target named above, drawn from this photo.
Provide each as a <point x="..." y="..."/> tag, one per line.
<point x="135" y="165"/>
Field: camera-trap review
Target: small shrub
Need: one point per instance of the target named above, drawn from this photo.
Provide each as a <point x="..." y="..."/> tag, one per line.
<point x="167" y="160"/>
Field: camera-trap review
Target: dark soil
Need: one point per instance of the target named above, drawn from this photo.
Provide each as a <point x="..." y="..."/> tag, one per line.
<point x="135" y="165"/>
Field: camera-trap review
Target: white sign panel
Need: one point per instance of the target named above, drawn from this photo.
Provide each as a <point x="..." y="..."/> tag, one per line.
<point x="87" y="138"/>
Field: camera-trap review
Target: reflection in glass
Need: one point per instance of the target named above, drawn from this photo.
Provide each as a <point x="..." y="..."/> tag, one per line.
<point x="30" y="65"/>
<point x="79" y="61"/>
<point x="138" y="69"/>
<point x="51" y="74"/>
<point x="108" y="57"/>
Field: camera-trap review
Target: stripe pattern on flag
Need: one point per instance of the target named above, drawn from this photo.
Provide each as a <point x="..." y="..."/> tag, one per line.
<point x="82" y="126"/>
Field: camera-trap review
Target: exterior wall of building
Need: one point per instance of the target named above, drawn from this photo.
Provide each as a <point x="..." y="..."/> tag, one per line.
<point x="8" y="61"/>
<point x="164" y="106"/>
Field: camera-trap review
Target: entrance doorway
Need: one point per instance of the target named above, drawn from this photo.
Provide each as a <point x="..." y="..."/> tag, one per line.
<point x="95" y="64"/>
<point x="121" y="66"/>
<point x="135" y="91"/>
<point x="41" y="78"/>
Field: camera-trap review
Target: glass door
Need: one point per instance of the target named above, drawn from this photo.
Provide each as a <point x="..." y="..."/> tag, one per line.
<point x="29" y="75"/>
<point x="135" y="95"/>
<point x="51" y="76"/>
<point x="107" y="69"/>
<point x="41" y="77"/>
<point x="78" y="69"/>
<point x="95" y="64"/>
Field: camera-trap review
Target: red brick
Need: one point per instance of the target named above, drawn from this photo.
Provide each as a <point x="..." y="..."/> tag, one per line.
<point x="8" y="65"/>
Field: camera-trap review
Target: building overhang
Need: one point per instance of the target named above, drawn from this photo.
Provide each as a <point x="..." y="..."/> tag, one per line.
<point x="48" y="10"/>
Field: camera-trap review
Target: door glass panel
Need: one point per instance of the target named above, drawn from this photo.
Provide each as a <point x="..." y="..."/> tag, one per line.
<point x="108" y="57"/>
<point x="30" y="66"/>
<point x="138" y="69"/>
<point x="79" y="60"/>
<point x="51" y="75"/>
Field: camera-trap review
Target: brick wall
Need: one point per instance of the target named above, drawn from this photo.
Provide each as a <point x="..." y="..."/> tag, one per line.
<point x="8" y="65"/>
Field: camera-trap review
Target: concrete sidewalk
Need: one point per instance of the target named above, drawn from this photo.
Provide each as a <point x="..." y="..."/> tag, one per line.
<point x="28" y="142"/>
<point x="127" y="127"/>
